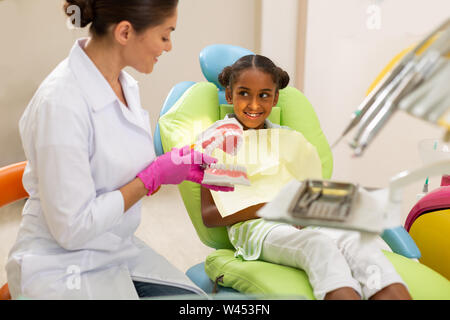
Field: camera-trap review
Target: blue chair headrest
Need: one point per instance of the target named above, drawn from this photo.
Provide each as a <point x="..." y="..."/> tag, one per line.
<point x="214" y="58"/>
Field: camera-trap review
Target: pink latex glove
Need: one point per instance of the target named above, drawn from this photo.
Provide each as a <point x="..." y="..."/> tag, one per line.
<point x="199" y="160"/>
<point x="174" y="167"/>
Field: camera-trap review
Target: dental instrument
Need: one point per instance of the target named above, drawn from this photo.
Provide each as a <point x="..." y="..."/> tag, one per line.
<point x="424" y="66"/>
<point x="417" y="72"/>
<point x="425" y="186"/>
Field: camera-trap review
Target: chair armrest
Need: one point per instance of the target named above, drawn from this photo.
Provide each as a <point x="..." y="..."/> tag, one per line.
<point x="401" y="242"/>
<point x="173" y="96"/>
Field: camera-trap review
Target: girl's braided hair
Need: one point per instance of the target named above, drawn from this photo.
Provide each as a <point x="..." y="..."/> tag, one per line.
<point x="230" y="74"/>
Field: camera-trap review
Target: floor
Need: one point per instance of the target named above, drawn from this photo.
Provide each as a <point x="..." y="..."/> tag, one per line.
<point x="165" y="226"/>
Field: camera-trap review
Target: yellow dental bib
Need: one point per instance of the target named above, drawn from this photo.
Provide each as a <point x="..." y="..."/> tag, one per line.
<point x="273" y="157"/>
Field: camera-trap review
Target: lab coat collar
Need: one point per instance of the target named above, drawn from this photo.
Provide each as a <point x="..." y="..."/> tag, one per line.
<point x="92" y="82"/>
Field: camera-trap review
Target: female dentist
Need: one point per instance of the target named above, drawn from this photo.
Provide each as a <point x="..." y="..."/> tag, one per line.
<point x="90" y="161"/>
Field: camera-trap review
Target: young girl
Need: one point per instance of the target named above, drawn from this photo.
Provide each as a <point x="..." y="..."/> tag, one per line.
<point x="336" y="264"/>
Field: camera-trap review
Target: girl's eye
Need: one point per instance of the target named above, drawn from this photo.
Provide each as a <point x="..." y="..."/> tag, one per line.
<point x="243" y="93"/>
<point x="264" y="95"/>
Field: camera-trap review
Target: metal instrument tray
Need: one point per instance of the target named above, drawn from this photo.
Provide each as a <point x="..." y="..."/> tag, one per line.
<point x="323" y="200"/>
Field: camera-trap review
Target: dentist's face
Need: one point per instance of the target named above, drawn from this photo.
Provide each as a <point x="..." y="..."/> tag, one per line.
<point x="253" y="95"/>
<point x="144" y="49"/>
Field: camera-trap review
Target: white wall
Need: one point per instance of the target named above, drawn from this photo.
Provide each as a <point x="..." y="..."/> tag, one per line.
<point x="345" y="51"/>
<point x="34" y="39"/>
<point x="279" y="33"/>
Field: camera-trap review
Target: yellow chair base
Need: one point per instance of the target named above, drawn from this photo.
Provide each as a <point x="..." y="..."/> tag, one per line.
<point x="430" y="231"/>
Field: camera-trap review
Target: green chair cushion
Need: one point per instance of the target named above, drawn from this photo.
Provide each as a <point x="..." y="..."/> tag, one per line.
<point x="297" y="113"/>
<point x="256" y="277"/>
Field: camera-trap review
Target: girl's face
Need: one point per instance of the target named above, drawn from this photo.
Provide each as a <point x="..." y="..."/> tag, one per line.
<point x="253" y="95"/>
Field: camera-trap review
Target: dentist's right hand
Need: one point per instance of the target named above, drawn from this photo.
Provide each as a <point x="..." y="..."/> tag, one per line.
<point x="174" y="167"/>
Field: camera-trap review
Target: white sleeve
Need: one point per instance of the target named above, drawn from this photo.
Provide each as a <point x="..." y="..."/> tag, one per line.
<point x="75" y="214"/>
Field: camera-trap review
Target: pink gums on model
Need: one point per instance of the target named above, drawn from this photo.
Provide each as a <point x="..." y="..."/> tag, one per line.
<point x="230" y="173"/>
<point x="230" y="134"/>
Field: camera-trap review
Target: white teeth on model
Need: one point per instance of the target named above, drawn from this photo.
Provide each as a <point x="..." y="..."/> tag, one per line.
<point x="229" y="167"/>
<point x="231" y="133"/>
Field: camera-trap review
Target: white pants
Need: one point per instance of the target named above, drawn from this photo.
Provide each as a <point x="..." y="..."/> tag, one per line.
<point x="331" y="258"/>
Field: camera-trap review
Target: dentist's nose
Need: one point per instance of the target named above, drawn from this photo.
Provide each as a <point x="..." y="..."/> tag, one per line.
<point x="169" y="46"/>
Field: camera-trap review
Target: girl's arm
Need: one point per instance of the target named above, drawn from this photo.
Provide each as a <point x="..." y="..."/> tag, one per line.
<point x="212" y="218"/>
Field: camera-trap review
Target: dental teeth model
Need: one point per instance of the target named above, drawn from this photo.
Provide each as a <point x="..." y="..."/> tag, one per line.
<point x="223" y="134"/>
<point x="225" y="175"/>
<point x="226" y="135"/>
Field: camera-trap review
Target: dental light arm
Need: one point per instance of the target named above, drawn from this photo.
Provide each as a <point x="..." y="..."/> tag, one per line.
<point x="418" y="84"/>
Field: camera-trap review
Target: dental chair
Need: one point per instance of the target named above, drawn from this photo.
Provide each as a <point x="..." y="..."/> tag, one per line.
<point x="192" y="107"/>
<point x="11" y="190"/>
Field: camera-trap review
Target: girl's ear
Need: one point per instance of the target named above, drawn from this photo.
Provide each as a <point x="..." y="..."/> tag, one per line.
<point x="228" y="95"/>
<point x="275" y="100"/>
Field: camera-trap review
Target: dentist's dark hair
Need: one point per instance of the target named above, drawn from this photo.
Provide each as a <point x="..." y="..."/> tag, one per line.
<point x="101" y="14"/>
<point x="230" y="74"/>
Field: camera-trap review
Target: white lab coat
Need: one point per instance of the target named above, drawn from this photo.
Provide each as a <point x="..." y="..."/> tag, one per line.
<point x="82" y="145"/>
